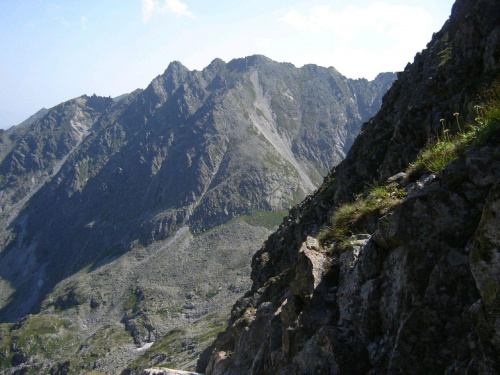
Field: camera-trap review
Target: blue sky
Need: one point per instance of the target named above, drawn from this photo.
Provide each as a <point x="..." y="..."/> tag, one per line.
<point x="54" y="50"/>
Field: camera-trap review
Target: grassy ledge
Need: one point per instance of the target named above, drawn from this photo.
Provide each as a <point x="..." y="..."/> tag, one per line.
<point x="355" y="217"/>
<point x="361" y="215"/>
<point x="484" y="131"/>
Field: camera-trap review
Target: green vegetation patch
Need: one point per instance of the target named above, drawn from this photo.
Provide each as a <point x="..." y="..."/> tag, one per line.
<point x="39" y="335"/>
<point x="445" y="56"/>
<point x="438" y="154"/>
<point x="131" y="301"/>
<point x="351" y="218"/>
<point x="266" y="219"/>
<point x="484" y="131"/>
<point x="250" y="88"/>
<point x="490" y="290"/>
<point x="211" y="294"/>
<point x="259" y="112"/>
<point x="101" y="343"/>
<point x="260" y="218"/>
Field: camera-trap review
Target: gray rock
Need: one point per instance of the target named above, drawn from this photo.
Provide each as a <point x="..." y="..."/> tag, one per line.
<point x="312" y="243"/>
<point x="397" y="177"/>
<point x="417" y="186"/>
<point x="485" y="265"/>
<point x="309" y="273"/>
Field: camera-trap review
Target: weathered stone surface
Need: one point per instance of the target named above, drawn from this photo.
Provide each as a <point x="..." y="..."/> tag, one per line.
<point x="485" y="266"/>
<point x="312" y="243"/>
<point x="309" y="273"/>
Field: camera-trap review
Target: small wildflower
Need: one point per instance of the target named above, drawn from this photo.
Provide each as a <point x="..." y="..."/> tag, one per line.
<point x="478" y="109"/>
<point x="442" y="126"/>
<point x="456" y="114"/>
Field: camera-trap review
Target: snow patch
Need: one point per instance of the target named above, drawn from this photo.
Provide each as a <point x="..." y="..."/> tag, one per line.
<point x="145" y="347"/>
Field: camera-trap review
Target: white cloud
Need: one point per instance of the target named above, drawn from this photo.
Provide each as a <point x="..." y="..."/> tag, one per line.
<point x="396" y="21"/>
<point x="296" y="20"/>
<point x="178" y="8"/>
<point x="84" y="21"/>
<point x="357" y="35"/>
<point x="151" y="7"/>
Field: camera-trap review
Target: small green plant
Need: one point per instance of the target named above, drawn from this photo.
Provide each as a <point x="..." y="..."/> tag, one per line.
<point x="355" y="217"/>
<point x="457" y="115"/>
<point x="485" y="130"/>
<point x="437" y="155"/>
<point x="379" y="192"/>
<point x="444" y="56"/>
<point x="348" y="243"/>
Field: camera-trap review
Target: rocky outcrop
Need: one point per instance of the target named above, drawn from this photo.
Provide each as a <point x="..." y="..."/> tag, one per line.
<point x="417" y="291"/>
<point x="484" y="262"/>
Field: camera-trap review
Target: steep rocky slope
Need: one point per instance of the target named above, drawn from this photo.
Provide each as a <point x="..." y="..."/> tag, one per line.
<point x="123" y="219"/>
<point x="404" y="278"/>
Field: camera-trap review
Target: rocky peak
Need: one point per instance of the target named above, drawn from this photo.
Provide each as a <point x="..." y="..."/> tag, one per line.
<point x="175" y="68"/>
<point x="216" y="65"/>
<point x="98" y="103"/>
<point x="254" y="61"/>
<point x="166" y="84"/>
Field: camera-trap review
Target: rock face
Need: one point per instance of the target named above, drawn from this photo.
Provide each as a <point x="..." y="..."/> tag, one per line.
<point x="419" y="293"/>
<point x="104" y="201"/>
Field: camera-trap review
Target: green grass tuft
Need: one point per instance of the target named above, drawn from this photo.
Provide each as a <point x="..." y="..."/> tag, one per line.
<point x="351" y="218"/>
<point x="483" y="132"/>
<point x="437" y="155"/>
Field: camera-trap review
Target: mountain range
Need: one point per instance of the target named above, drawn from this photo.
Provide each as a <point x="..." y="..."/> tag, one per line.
<point x="129" y="225"/>
<point x="128" y="220"/>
